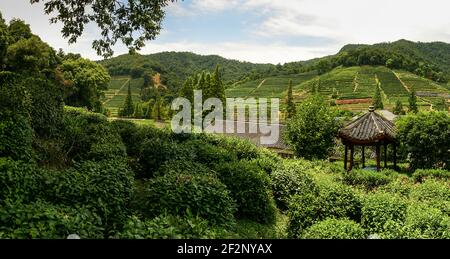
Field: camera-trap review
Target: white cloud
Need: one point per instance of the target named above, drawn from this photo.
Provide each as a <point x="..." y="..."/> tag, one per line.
<point x="263" y="52"/>
<point x="278" y="24"/>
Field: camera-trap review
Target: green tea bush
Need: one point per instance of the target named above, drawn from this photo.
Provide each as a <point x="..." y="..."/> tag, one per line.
<point x="250" y="187"/>
<point x="155" y="152"/>
<point x="288" y="180"/>
<point x="434" y="193"/>
<point x="168" y="227"/>
<point x="105" y="187"/>
<point x="425" y="222"/>
<point x="16" y="137"/>
<point x="47" y="221"/>
<point x="89" y="136"/>
<point x="20" y="181"/>
<point x="401" y="186"/>
<point x="334" y="201"/>
<point x="181" y="193"/>
<point x="368" y="179"/>
<point x="421" y="175"/>
<point x="335" y="229"/>
<point x="180" y="166"/>
<point x="208" y="154"/>
<point x="378" y="208"/>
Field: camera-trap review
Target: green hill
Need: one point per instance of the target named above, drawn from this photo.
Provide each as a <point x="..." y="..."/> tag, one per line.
<point x="175" y="67"/>
<point x="352" y="87"/>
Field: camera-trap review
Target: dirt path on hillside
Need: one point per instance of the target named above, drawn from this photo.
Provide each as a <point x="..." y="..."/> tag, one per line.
<point x="355" y="82"/>
<point x="254" y="90"/>
<point x="117" y="92"/>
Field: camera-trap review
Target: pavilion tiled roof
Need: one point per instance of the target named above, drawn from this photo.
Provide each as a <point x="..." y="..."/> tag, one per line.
<point x="369" y="128"/>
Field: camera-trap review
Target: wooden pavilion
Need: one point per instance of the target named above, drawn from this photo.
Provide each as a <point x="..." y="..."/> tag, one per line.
<point x="371" y="129"/>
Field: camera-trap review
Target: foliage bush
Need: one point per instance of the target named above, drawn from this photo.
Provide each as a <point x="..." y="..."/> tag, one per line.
<point x="183" y="193"/>
<point x="421" y="175"/>
<point x="89" y="136"/>
<point x="368" y="179"/>
<point x="169" y="227"/>
<point x="426" y="222"/>
<point x="312" y="131"/>
<point x="425" y="138"/>
<point x="16" y="137"/>
<point x="20" y="181"/>
<point x="250" y="187"/>
<point x="335" y="229"/>
<point x="47" y="221"/>
<point x="434" y="193"/>
<point x="378" y="208"/>
<point x="105" y="187"/>
<point x="208" y="154"/>
<point x="288" y="180"/>
<point x="401" y="186"/>
<point x="334" y="201"/>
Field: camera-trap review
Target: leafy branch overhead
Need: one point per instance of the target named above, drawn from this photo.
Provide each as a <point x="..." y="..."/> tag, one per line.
<point x="131" y="21"/>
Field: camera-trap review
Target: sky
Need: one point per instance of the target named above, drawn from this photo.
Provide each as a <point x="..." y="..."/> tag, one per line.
<point x="265" y="31"/>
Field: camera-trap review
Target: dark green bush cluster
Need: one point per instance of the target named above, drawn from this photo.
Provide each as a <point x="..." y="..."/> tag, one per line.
<point x="89" y="136"/>
<point x="379" y="208"/>
<point x="249" y="186"/>
<point x="421" y="175"/>
<point x="183" y="193"/>
<point x="368" y="179"/>
<point x="16" y="137"/>
<point x="45" y="220"/>
<point x="335" y="229"/>
<point x="289" y="180"/>
<point x="103" y="187"/>
<point x="334" y="201"/>
<point x="434" y="193"/>
<point x="169" y="227"/>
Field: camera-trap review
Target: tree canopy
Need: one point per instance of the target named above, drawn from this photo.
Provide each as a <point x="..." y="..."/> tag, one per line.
<point x="132" y="22"/>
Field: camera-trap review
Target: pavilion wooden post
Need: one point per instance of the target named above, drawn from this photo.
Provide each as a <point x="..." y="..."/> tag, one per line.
<point x="345" y="157"/>
<point x="352" y="152"/>
<point x="378" y="156"/>
<point x="363" y="157"/>
<point x="385" y="155"/>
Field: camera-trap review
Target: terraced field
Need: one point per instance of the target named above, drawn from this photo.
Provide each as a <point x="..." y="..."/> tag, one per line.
<point x="270" y="87"/>
<point x="350" y="83"/>
<point x="117" y="92"/>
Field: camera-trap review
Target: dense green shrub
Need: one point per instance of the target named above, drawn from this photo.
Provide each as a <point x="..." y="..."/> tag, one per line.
<point x="169" y="227"/>
<point x="180" y="166"/>
<point x="311" y="132"/>
<point x="426" y="138"/>
<point x="288" y="180"/>
<point x="401" y="185"/>
<point x="368" y="179"/>
<point x="434" y="193"/>
<point x="47" y="106"/>
<point x="48" y="221"/>
<point x="128" y="131"/>
<point x="16" y="137"/>
<point x="335" y="229"/>
<point x="181" y="193"/>
<point x="14" y="97"/>
<point x="378" y="208"/>
<point x="421" y="175"/>
<point x="105" y="187"/>
<point x="89" y="136"/>
<point x="20" y="181"/>
<point x="250" y="187"/>
<point x="334" y="201"/>
<point x="206" y="153"/>
<point x="426" y="222"/>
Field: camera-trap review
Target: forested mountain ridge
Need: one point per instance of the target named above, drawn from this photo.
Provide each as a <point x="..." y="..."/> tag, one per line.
<point x="175" y="67"/>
